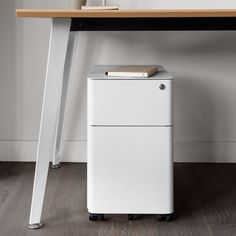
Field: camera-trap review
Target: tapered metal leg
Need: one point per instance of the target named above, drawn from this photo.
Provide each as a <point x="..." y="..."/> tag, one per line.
<point x="60" y="118"/>
<point x="51" y="104"/>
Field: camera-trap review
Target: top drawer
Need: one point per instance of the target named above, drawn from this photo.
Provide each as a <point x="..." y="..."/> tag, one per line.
<point x="130" y="102"/>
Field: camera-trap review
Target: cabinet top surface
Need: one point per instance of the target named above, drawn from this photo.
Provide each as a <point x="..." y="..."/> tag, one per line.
<point x="64" y="13"/>
<point x="98" y="72"/>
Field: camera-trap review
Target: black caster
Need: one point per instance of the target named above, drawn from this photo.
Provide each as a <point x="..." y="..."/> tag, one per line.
<point x="96" y="217"/>
<point x="131" y="217"/>
<point x="164" y="217"/>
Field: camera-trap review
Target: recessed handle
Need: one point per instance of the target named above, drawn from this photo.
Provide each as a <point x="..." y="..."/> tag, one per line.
<point x="162" y="87"/>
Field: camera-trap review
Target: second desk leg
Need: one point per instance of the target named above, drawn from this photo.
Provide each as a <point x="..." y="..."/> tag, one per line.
<point x="56" y="158"/>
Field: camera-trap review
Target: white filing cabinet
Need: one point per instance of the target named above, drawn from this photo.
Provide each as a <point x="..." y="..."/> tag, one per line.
<point x="130" y="160"/>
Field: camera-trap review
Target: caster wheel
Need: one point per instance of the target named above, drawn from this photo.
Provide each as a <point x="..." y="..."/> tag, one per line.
<point x="96" y="217"/>
<point x="131" y="217"/>
<point x="164" y="217"/>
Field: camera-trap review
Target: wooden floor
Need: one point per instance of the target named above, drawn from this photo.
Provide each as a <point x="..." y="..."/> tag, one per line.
<point x="205" y="203"/>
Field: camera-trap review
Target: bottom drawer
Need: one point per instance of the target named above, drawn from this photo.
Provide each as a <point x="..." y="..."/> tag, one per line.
<point x="130" y="170"/>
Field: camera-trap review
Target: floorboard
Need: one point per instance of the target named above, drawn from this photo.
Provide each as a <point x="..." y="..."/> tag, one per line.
<point x="204" y="203"/>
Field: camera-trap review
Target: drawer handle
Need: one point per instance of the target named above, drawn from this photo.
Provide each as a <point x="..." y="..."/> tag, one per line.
<point x="162" y="87"/>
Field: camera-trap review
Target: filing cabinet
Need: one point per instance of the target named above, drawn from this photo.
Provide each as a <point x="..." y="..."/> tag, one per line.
<point x="130" y="153"/>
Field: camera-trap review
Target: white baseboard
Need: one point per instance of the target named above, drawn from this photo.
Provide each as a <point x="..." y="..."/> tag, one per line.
<point x="75" y="151"/>
<point x="72" y="151"/>
<point x="205" y="151"/>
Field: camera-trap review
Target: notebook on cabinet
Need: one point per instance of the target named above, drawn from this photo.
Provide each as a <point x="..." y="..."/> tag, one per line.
<point x="132" y="71"/>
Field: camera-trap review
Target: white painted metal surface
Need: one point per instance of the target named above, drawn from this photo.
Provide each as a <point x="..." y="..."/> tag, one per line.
<point x="128" y="102"/>
<point x="67" y="74"/>
<point x="130" y="170"/>
<point x="50" y="110"/>
<point x="130" y="160"/>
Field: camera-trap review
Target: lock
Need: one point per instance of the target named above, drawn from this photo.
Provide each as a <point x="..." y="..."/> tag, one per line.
<point x="162" y="86"/>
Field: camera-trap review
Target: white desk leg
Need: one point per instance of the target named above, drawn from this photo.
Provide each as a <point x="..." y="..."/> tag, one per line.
<point x="51" y="104"/>
<point x="67" y="74"/>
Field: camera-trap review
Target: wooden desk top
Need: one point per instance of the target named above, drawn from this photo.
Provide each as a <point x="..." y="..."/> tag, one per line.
<point x="51" y="13"/>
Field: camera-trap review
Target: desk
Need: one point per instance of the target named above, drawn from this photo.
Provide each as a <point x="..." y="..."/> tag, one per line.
<point x="60" y="55"/>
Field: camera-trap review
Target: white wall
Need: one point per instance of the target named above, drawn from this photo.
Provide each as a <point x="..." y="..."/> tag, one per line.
<point x="203" y="63"/>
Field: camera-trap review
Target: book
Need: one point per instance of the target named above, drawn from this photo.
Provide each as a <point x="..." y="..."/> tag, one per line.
<point x="100" y="8"/>
<point x="133" y="71"/>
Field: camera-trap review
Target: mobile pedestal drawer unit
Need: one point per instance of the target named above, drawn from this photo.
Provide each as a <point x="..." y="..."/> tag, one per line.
<point x="130" y="161"/>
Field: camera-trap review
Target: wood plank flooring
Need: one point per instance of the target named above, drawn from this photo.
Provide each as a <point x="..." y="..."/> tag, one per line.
<point x="205" y="203"/>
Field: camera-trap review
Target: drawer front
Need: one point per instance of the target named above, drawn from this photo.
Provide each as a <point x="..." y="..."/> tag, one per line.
<point x="130" y="170"/>
<point x="130" y="102"/>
